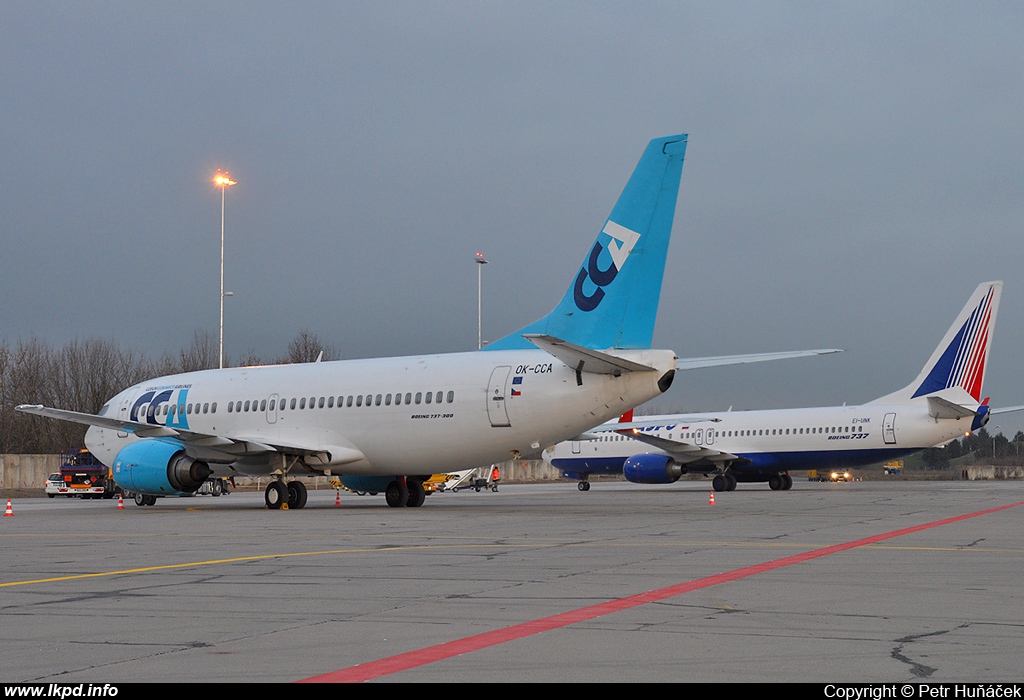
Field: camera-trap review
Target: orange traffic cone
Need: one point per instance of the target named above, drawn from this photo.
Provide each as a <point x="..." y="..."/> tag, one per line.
<point x="9" y="513"/>
<point x="711" y="501"/>
<point x="120" y="502"/>
<point x="337" y="499"/>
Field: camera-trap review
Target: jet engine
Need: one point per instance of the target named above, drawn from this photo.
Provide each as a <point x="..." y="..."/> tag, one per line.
<point x="158" y="467"/>
<point x="651" y="469"/>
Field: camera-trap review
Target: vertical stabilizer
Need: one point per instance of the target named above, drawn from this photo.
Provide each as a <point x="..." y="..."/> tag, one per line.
<point x="959" y="361"/>
<point x="613" y="299"/>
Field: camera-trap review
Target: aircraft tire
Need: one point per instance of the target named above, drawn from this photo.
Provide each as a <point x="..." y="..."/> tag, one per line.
<point x="297" y="495"/>
<point x="276" y="495"/>
<point x="140" y="499"/>
<point x="775" y="482"/>
<point x="787" y="482"/>
<point x="730" y="482"/>
<point x="719" y="483"/>
<point x="416" y="493"/>
<point x="396" y="494"/>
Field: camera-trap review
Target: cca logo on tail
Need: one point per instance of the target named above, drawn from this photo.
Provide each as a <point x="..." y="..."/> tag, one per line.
<point x="602" y="278"/>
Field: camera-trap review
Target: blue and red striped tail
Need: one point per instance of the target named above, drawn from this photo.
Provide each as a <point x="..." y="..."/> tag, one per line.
<point x="962" y="360"/>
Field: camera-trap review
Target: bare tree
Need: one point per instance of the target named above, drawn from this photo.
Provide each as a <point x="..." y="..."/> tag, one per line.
<point x="306" y="347"/>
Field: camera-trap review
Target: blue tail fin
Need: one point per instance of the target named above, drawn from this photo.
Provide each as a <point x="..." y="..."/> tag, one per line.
<point x="613" y="300"/>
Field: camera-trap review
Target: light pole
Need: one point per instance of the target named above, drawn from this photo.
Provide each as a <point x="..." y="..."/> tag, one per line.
<point x="223" y="181"/>
<point x="480" y="262"/>
<point x="998" y="427"/>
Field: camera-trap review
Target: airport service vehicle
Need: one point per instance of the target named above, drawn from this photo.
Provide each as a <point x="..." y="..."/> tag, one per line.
<point x="941" y="404"/>
<point x="84" y="476"/>
<point x="835" y="475"/>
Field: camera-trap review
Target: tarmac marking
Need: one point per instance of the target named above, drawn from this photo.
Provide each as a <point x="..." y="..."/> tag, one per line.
<point x="421" y="657"/>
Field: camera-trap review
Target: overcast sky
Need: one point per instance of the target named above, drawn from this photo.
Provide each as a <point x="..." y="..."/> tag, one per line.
<point x="853" y="172"/>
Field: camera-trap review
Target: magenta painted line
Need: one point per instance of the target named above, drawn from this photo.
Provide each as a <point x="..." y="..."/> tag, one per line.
<point x="421" y="657"/>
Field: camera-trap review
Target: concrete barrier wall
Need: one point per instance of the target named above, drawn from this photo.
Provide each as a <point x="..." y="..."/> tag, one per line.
<point x="977" y="473"/>
<point x="27" y="471"/>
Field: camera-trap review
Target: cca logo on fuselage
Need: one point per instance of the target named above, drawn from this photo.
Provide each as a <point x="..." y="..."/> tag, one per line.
<point x="619" y="248"/>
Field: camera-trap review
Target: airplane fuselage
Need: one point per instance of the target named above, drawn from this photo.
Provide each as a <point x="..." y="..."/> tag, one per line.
<point x="402" y="415"/>
<point x="773" y="441"/>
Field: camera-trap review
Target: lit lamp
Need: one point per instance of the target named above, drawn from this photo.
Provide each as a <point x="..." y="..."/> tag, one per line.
<point x="223" y="181"/>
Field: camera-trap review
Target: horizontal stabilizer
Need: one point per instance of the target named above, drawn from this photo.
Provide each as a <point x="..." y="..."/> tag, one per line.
<point x="585" y="359"/>
<point x="722" y="360"/>
<point x="939" y="407"/>
<point x="1008" y="409"/>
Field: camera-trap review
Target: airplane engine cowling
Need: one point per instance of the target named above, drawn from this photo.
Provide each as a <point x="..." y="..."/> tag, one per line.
<point x="158" y="467"/>
<point x="651" y="469"/>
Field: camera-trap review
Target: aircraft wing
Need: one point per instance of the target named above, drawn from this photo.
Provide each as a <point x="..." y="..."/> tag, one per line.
<point x="721" y="360"/>
<point x="230" y="447"/>
<point x="682" y="452"/>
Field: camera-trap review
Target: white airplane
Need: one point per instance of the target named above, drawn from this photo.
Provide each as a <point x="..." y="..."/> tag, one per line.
<point x="386" y="425"/>
<point x="941" y="404"/>
<point x="389" y="423"/>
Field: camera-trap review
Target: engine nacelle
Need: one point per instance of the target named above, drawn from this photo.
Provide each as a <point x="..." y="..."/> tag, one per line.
<point x="158" y="468"/>
<point x="651" y="469"/>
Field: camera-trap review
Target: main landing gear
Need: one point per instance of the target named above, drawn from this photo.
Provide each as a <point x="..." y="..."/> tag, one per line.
<point x="583" y="485"/>
<point x="780" y="482"/>
<point x="405" y="491"/>
<point x="724" y="482"/>
<point x="290" y="496"/>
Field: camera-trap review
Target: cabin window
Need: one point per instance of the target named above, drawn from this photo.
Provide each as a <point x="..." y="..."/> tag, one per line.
<point x="387" y="400"/>
<point x="430" y="397"/>
<point x="263" y="405"/>
<point x="451" y="397"/>
<point x="302" y="402"/>
<point x="272" y="402"/>
<point x="320" y="403"/>
<point x="231" y="406"/>
<point x="330" y="402"/>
